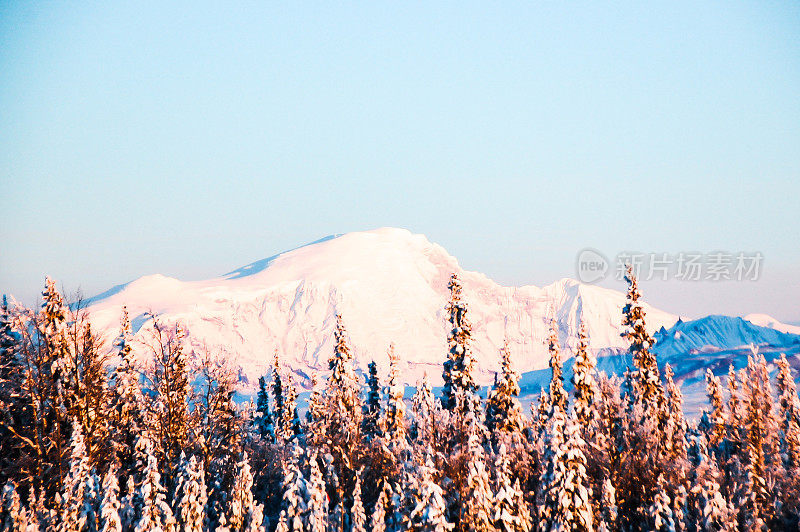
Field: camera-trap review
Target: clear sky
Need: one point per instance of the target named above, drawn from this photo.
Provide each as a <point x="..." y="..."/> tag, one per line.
<point x="192" y="138"/>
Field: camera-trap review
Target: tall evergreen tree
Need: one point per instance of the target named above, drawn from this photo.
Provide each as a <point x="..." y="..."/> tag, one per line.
<point x="675" y="428"/>
<point x="583" y="382"/>
<point x="317" y="518"/>
<point x="377" y="522"/>
<point x="661" y="515"/>
<point x="264" y="422"/>
<point x="75" y="515"/>
<point x="358" y="519"/>
<point x="503" y="410"/>
<point x="156" y="515"/>
<point x="714" y="391"/>
<point x="510" y="511"/>
<point x="343" y="410"/>
<point x="372" y="406"/>
<point x="127" y="402"/>
<point x="429" y="511"/>
<point x="109" y="507"/>
<point x="295" y="498"/>
<point x="393" y="423"/>
<point x="458" y="367"/>
<point x="277" y="391"/>
<point x="566" y="503"/>
<point x="558" y="395"/>
<point x="13" y="515"/>
<point x="478" y="500"/>
<point x="647" y="379"/>
<point x="170" y="406"/>
<point x="191" y="497"/>
<point x="789" y="415"/>
<point x="243" y="513"/>
<point x="423" y="408"/>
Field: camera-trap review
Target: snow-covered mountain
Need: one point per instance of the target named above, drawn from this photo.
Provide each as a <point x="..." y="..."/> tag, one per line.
<point x="388" y="284"/>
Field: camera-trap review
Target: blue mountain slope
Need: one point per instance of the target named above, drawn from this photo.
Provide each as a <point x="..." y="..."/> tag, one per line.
<point x="690" y="347"/>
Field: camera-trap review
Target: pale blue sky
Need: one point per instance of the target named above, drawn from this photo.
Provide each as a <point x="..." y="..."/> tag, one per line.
<point x="193" y="138"/>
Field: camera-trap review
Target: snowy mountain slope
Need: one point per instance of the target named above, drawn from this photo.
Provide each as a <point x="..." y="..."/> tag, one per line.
<point x="388" y="284"/>
<point x="765" y="320"/>
<point x="716" y="333"/>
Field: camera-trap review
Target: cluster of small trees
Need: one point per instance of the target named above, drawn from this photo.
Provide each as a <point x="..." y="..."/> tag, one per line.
<point x="162" y="446"/>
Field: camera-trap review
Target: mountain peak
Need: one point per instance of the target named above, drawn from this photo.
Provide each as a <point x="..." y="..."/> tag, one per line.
<point x="390" y="286"/>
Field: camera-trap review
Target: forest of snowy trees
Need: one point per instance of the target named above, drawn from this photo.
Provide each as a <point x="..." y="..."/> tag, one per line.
<point x="147" y="437"/>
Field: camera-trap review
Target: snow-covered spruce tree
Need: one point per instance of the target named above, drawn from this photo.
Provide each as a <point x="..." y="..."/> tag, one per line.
<point x="127" y="402"/>
<point x="661" y="516"/>
<point x="423" y="408"/>
<point x="718" y="416"/>
<point x="39" y="430"/>
<point x="760" y="442"/>
<point x="336" y="493"/>
<point x="429" y="511"/>
<point x="458" y="367"/>
<point x="315" y="415"/>
<point x="608" y="507"/>
<point x="377" y="522"/>
<point x="584" y="385"/>
<point x="393" y="423"/>
<point x="372" y="406"/>
<point x="789" y="415"/>
<point x="290" y="426"/>
<point x="675" y="426"/>
<point x="509" y="512"/>
<point x="317" y="514"/>
<point x="219" y="425"/>
<point x="608" y="442"/>
<point x="243" y="514"/>
<point x="647" y="379"/>
<point x="130" y="505"/>
<point x="191" y="497"/>
<point x="343" y="392"/>
<point x="478" y="499"/>
<point x="109" y="506"/>
<point x="15" y="408"/>
<point x="170" y="406"/>
<point x="277" y="393"/>
<point x="85" y="385"/>
<point x="358" y="519"/>
<point x="706" y="509"/>
<point x="156" y="515"/>
<point x="503" y="410"/>
<point x="558" y="395"/>
<point x="295" y="497"/>
<point x="566" y="504"/>
<point x="78" y="512"/>
<point x="540" y="418"/>
<point x="14" y="517"/>
<point x="342" y="419"/>
<point x="264" y="422"/>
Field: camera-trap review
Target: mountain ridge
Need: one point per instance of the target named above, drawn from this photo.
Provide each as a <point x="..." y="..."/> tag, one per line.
<point x="389" y="285"/>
